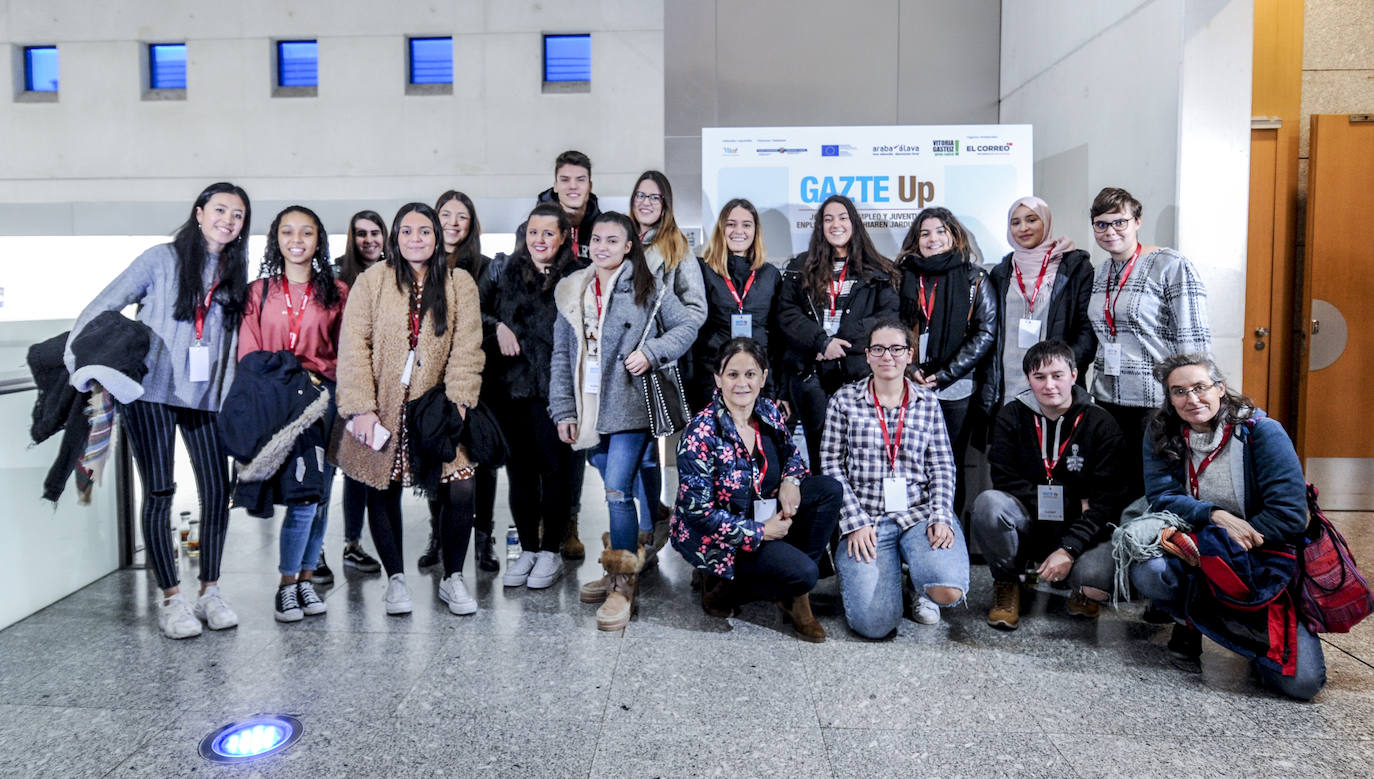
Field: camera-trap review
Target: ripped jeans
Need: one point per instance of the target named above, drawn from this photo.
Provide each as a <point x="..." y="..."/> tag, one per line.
<point x="618" y="458"/>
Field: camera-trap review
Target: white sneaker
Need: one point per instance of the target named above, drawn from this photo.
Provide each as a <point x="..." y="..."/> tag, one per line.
<point x="397" y="595"/>
<point x="925" y="611"/>
<point x="519" y="571"/>
<point x="311" y="602"/>
<point x="214" y="610"/>
<point x="175" y="619"/>
<point x="547" y="568"/>
<point x="453" y="592"/>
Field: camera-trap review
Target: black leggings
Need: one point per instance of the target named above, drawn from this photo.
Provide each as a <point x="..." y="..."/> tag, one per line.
<point x="354" y="504"/>
<point x="539" y="468"/>
<point x="485" y="490"/>
<point x="787" y="567"/>
<point x="152" y="430"/>
<point x="455" y="523"/>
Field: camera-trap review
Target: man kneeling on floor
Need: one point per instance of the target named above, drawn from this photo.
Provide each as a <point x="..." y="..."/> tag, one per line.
<point x="1057" y="482"/>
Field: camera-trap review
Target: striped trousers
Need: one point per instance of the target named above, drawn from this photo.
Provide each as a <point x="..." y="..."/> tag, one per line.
<point x="151" y="427"/>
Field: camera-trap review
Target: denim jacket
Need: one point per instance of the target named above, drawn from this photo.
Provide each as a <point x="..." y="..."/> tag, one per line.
<point x="710" y="522"/>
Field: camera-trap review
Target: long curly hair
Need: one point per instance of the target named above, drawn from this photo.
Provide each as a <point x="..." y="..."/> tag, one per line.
<point x="232" y="272"/>
<point x="1166" y="426"/>
<point x="818" y="271"/>
<point x="273" y="267"/>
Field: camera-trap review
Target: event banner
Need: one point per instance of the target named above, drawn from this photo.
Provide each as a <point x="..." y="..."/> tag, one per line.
<point x="890" y="173"/>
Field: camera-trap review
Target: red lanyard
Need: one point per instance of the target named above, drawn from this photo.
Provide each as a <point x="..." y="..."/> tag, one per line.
<point x="1049" y="464"/>
<point x="763" y="469"/>
<point x="202" y="310"/>
<point x="927" y="308"/>
<point x="891" y="445"/>
<point x="596" y="280"/>
<point x="1195" y="472"/>
<point x="415" y="315"/>
<point x="1109" y="305"/>
<point x="837" y="287"/>
<point x="1030" y="301"/>
<point x="294" y="318"/>
<point x="739" y="299"/>
<point x="572" y="233"/>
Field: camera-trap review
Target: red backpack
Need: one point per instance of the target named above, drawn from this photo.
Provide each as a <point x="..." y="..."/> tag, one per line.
<point x="1335" y="595"/>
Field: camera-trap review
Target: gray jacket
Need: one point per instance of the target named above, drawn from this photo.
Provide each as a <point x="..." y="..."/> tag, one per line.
<point x="151" y="281"/>
<point x="685" y="281"/>
<point x="619" y="404"/>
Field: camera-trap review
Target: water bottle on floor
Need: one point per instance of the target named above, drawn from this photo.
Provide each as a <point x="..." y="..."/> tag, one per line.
<point x="512" y="545"/>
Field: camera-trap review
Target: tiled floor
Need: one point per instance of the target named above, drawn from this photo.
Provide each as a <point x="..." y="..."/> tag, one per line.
<point x="528" y="687"/>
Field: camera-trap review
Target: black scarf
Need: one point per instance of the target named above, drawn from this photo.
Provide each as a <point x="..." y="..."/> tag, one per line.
<point x="949" y="275"/>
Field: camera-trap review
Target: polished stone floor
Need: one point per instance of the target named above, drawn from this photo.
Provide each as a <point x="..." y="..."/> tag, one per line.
<point x="529" y="687"/>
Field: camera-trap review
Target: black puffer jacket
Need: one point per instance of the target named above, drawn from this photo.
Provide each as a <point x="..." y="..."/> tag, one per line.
<point x="530" y="312"/>
<point x="979" y="330"/>
<point x="762" y="302"/>
<point x="802" y="322"/>
<point x="1066" y="320"/>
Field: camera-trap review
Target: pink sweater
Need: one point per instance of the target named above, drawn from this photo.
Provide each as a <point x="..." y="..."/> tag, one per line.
<point x="317" y="345"/>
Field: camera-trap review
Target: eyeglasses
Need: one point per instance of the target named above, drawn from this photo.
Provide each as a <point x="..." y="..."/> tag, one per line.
<point x="645" y="197"/>
<point x="877" y="351"/>
<point x="1118" y="225"/>
<point x="1180" y="393"/>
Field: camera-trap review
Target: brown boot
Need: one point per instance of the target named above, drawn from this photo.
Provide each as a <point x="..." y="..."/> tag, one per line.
<point x="646" y="544"/>
<point x="595" y="591"/>
<point x="1005" y="613"/>
<point x="622" y="571"/>
<point x="572" y="545"/>
<point x="665" y="513"/>
<point x="1081" y="605"/>
<point x="718" y="596"/>
<point x="798" y="612"/>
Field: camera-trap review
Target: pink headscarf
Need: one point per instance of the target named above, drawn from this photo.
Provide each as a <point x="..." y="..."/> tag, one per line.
<point x="1028" y="260"/>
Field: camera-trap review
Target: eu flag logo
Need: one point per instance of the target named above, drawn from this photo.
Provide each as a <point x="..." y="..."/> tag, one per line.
<point x="830" y="150"/>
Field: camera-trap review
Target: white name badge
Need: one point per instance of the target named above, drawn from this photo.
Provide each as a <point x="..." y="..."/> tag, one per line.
<point x="765" y="508"/>
<point x="591" y="376"/>
<point x="1027" y="333"/>
<point x="1111" y="359"/>
<point x="921" y="344"/>
<point x="832" y="324"/>
<point x="894" y="494"/>
<point x="410" y="366"/>
<point x="742" y="326"/>
<point x="198" y="368"/>
<point x="1050" y="502"/>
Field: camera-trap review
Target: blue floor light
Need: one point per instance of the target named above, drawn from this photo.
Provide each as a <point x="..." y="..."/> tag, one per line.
<point x="251" y="739"/>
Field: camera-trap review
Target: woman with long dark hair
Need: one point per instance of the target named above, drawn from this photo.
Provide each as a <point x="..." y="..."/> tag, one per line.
<point x="191" y="294"/>
<point x="832" y="293"/>
<point x="410" y="326"/>
<point x="605" y="311"/>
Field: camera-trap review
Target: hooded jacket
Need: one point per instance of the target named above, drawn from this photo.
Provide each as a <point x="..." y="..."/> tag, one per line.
<point x="1090" y="469"/>
<point x="802" y="322"/>
<point x="582" y="231"/>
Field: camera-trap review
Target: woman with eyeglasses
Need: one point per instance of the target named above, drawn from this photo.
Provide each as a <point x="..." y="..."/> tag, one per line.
<point x="1148" y="302"/>
<point x="1230" y="476"/>
<point x="885" y="442"/>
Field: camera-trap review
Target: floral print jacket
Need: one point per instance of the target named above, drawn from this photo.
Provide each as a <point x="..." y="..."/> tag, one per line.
<point x="710" y="521"/>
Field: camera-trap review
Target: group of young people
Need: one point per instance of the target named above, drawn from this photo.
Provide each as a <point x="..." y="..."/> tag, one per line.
<point x="395" y="368"/>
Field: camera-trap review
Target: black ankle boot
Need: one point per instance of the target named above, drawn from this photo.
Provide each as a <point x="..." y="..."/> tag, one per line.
<point x="431" y="555"/>
<point x="484" y="553"/>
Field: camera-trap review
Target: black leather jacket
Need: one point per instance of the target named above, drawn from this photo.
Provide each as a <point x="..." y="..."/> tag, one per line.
<point x="979" y="334"/>
<point x="802" y="324"/>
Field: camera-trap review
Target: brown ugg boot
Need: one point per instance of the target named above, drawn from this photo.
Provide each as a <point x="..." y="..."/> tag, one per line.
<point x="664" y="514"/>
<point x="622" y="570"/>
<point x="595" y="591"/>
<point x="798" y="612"/>
<point x="572" y="545"/>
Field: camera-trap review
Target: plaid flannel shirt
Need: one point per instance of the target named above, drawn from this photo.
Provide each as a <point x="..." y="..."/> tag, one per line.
<point x="853" y="452"/>
<point x="1162" y="311"/>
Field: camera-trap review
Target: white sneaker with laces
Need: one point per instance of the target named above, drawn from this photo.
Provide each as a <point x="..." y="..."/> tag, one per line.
<point x="453" y="592"/>
<point x="397" y="595"/>
<point x="925" y="611"/>
<point x="518" y="572"/>
<point x="214" y="610"/>
<point x="547" y="568"/>
<point x="175" y="619"/>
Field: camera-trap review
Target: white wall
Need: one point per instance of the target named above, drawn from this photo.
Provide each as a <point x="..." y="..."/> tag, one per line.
<point x="101" y="160"/>
<point x="1152" y="96"/>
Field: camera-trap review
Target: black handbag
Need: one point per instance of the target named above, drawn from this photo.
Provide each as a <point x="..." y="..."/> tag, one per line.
<point x="662" y="387"/>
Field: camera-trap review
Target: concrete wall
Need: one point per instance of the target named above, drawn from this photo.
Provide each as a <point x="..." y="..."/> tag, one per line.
<point x="742" y="63"/>
<point x="102" y="160"/>
<point x="1153" y="96"/>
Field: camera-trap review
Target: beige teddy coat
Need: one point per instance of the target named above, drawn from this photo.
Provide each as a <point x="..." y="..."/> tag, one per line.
<point x="373" y="345"/>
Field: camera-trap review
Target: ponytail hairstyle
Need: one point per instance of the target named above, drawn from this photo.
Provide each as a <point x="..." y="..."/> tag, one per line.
<point x="818" y="271"/>
<point x="671" y="243"/>
<point x="736" y="346"/>
<point x="433" y="299"/>
<point x="643" y="277"/>
<point x="468" y="253"/>
<point x="232" y="271"/>
<point x="322" y="286"/>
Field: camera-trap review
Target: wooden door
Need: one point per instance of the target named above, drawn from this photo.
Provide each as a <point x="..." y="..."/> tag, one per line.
<point x="1269" y="272"/>
<point x="1337" y="370"/>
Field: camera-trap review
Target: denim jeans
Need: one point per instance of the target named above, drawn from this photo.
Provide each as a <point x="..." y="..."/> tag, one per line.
<point x="648" y="486"/>
<point x="1002" y="527"/>
<point x="618" y="459"/>
<point x="873" y="590"/>
<point x="1164" y="581"/>
<point x="302" y="532"/>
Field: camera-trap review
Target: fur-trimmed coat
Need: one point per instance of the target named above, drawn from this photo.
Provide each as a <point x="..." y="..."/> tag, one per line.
<point x="373" y="345"/>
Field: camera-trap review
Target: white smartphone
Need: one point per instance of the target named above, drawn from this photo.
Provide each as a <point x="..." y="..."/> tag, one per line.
<point x="380" y="435"/>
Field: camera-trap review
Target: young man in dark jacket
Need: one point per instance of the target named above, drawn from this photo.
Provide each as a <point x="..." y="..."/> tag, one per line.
<point x="572" y="190"/>
<point x="1056" y="473"/>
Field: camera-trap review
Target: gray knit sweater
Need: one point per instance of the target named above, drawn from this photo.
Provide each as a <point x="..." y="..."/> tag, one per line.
<point x="151" y="282"/>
